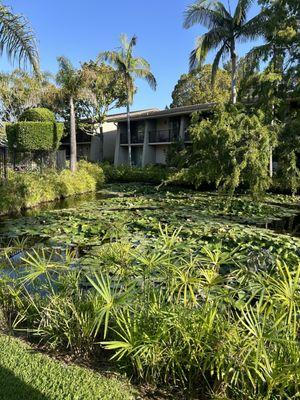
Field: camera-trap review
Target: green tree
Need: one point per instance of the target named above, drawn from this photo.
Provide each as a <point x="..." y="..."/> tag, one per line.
<point x="225" y="30"/>
<point x="195" y="87"/>
<point x="130" y="68"/>
<point x="71" y="84"/>
<point x="106" y="90"/>
<point x="231" y="150"/>
<point x="20" y="90"/>
<point x="17" y="38"/>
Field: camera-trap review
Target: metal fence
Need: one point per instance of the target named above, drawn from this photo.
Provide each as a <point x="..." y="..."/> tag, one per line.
<point x="25" y="162"/>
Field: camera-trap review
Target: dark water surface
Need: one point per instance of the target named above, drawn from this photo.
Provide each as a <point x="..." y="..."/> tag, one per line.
<point x="288" y="225"/>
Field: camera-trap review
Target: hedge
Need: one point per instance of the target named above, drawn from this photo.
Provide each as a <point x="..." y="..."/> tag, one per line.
<point x="34" y="136"/>
<point x="37" y="115"/>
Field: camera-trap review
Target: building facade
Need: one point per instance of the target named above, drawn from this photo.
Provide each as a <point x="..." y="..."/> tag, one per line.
<point x="153" y="132"/>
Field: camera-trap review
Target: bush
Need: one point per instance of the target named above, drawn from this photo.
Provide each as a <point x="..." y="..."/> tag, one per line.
<point x="124" y="173"/>
<point x="201" y="318"/>
<point x="37" y="115"/>
<point x="25" y="190"/>
<point x="34" y="136"/>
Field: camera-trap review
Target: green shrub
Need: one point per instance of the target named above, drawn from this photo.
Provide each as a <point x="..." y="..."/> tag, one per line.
<point x="124" y="173"/>
<point x="25" y="190"/>
<point x="37" y="115"/>
<point x="34" y="136"/>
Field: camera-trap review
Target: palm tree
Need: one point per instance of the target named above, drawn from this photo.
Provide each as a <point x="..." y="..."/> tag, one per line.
<point x="225" y="30"/>
<point x="17" y="39"/>
<point x="129" y="68"/>
<point x="71" y="85"/>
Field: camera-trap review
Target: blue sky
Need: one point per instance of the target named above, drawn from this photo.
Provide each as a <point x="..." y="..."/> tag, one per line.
<point x="80" y="29"/>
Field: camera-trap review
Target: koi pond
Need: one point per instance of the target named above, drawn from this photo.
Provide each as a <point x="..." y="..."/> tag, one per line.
<point x="133" y="213"/>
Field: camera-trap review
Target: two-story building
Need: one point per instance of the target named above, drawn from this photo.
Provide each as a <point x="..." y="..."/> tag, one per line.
<point x="152" y="132"/>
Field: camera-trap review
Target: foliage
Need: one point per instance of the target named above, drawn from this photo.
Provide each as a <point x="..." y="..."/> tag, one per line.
<point x="25" y="190"/>
<point x="17" y="38"/>
<point x="129" y="68"/>
<point x="106" y="88"/>
<point x="212" y="302"/>
<point x="288" y="173"/>
<point x="18" y="90"/>
<point x="34" y="136"/>
<point x="37" y="115"/>
<point x="231" y="150"/>
<point x="28" y="375"/>
<point x="225" y="30"/>
<point x="125" y="173"/>
<point x="195" y="88"/>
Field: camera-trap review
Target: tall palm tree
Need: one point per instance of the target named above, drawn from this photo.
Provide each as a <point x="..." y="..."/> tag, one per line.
<point x="130" y="68"/>
<point x="71" y="85"/>
<point x="17" y="39"/>
<point x="225" y="30"/>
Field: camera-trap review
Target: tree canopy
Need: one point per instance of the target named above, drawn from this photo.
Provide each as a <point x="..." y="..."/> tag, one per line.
<point x="195" y="87"/>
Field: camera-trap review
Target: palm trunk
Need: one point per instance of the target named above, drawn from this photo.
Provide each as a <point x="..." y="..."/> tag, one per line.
<point x="101" y="152"/>
<point x="129" y="133"/>
<point x="73" y="144"/>
<point x="233" y="74"/>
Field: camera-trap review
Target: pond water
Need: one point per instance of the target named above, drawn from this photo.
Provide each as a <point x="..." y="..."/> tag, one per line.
<point x="134" y="212"/>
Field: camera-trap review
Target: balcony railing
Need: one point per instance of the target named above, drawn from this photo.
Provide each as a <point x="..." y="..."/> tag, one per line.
<point x="136" y="138"/>
<point x="163" y="136"/>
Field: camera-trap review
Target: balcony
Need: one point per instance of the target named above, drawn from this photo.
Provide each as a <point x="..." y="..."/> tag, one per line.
<point x="136" y="138"/>
<point x="163" y="136"/>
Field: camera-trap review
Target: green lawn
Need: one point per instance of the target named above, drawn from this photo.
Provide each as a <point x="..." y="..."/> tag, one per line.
<point x="28" y="375"/>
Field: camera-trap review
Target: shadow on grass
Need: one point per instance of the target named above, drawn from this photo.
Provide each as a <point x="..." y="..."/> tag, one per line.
<point x="13" y="388"/>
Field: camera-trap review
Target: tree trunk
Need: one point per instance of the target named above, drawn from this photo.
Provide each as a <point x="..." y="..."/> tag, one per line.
<point x="73" y="144"/>
<point x="101" y="152"/>
<point x="271" y="162"/>
<point x="233" y="75"/>
<point x="129" y="133"/>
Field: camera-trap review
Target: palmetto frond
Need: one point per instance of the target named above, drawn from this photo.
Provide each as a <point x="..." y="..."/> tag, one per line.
<point x="208" y="13"/>
<point x="17" y="38"/>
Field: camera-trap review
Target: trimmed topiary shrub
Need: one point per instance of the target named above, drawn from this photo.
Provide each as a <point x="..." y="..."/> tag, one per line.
<point x="34" y="136"/>
<point x="37" y="115"/>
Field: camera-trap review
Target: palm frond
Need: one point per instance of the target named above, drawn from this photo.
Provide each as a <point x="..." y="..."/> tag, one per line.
<point x="241" y="10"/>
<point x="140" y="62"/>
<point x="208" y="13"/>
<point x="253" y="28"/>
<point x="216" y="62"/>
<point x="147" y="75"/>
<point x="17" y="39"/>
<point x="253" y="57"/>
<point x="204" y="44"/>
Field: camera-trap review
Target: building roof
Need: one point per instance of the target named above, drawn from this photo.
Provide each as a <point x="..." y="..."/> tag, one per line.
<point x="154" y="112"/>
<point x="117" y="117"/>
